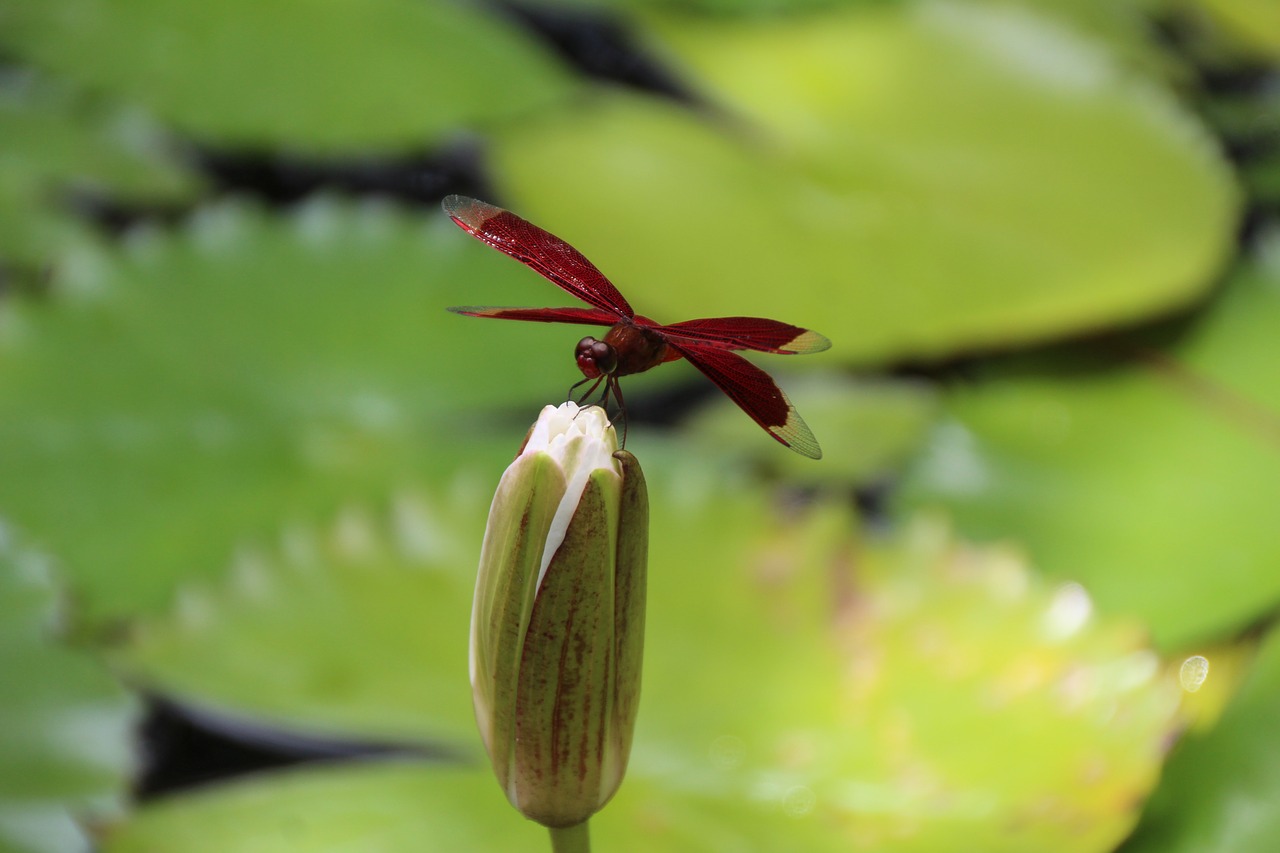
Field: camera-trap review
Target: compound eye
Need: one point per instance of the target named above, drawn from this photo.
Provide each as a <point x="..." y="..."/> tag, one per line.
<point x="595" y="357"/>
<point x="604" y="356"/>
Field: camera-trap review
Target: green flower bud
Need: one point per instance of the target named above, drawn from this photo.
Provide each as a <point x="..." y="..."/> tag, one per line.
<point x="557" y="627"/>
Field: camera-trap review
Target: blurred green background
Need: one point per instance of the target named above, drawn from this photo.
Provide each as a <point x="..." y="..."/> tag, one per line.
<point x="246" y="456"/>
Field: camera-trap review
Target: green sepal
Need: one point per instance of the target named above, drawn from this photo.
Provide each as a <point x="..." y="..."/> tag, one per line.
<point x="506" y="585"/>
<point x="630" y="582"/>
<point x="565" y="692"/>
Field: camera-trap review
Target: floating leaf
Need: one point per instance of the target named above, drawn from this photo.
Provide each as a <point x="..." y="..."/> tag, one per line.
<point x="868" y="429"/>
<point x="319" y="76"/>
<point x="65" y="724"/>
<point x="359" y="627"/>
<point x="57" y="146"/>
<point x="825" y="709"/>
<point x="871" y="703"/>
<point x="362" y="807"/>
<point x="356" y="629"/>
<point x="384" y="806"/>
<point x="910" y="179"/>
<point x="1144" y="478"/>
<point x="1218" y="788"/>
<point x="1254" y="22"/>
<point x="209" y="383"/>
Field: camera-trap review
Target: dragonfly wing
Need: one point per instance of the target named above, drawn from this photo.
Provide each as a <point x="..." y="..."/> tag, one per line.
<point x="753" y="333"/>
<point x="756" y="393"/>
<point x="581" y="316"/>
<point x="541" y="251"/>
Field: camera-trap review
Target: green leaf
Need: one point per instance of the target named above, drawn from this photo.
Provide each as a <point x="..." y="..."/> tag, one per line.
<point x="781" y="702"/>
<point x="321" y="76"/>
<point x="1140" y="477"/>
<point x="360" y="626"/>
<point x="908" y="179"/>
<point x="357" y="629"/>
<point x="206" y="385"/>
<point x="387" y="807"/>
<point x="868" y="428"/>
<point x="65" y="724"/>
<point x="57" y="145"/>
<point x="376" y="807"/>
<point x="1256" y="23"/>
<point x="1250" y="120"/>
<point x="1219" y="787"/>
<point x="871" y="703"/>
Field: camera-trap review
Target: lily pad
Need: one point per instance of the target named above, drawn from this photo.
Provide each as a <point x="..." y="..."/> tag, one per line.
<point x="371" y="807"/>
<point x="1256" y="23"/>
<point x="911" y="179"/>
<point x="871" y="702"/>
<point x="868" y="429"/>
<point x="391" y="807"/>
<point x="1218" y="788"/>
<point x="58" y="145"/>
<point x="834" y="710"/>
<point x="385" y="806"/>
<point x="356" y="629"/>
<point x="318" y="76"/>
<point x="65" y="724"/>
<point x="208" y="384"/>
<point x="359" y="627"/>
<point x="1147" y="478"/>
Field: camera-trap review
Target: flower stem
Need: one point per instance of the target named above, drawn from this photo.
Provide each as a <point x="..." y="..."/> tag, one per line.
<point x="570" y="839"/>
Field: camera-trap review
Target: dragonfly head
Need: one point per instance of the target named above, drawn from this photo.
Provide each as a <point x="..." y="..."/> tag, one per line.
<point x="595" y="358"/>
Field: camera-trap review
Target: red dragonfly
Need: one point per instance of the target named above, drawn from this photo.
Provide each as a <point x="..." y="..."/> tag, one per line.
<point x="635" y="343"/>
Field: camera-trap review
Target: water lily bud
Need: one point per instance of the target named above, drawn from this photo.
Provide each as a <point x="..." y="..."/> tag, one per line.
<point x="557" y="627"/>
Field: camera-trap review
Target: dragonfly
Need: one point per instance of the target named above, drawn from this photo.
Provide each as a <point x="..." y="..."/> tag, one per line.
<point x="635" y="343"/>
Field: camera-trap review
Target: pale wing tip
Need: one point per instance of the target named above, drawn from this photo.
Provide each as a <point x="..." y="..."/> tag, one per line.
<point x="452" y="204"/>
<point x="797" y="436"/>
<point x="808" y="341"/>
<point x="468" y="211"/>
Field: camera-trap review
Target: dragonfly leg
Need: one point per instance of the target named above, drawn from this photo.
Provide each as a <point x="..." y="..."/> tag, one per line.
<point x="589" y="391"/>
<point x="616" y="387"/>
<point x="611" y="386"/>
